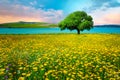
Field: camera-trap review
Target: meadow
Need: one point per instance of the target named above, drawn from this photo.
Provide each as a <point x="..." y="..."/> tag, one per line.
<point x="60" y="57"/>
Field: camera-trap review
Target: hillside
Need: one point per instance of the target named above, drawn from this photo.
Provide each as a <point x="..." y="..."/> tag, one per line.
<point x="22" y="24"/>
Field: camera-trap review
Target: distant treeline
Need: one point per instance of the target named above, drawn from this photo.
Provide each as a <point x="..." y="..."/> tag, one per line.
<point x="107" y="26"/>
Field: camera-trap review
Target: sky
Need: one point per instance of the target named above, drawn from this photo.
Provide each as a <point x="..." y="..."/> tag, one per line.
<point x="53" y="11"/>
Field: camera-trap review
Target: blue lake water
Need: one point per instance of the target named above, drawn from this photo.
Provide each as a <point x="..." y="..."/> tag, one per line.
<point x="56" y="30"/>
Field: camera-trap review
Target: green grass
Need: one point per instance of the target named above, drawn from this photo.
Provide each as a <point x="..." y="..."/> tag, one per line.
<point x="28" y="25"/>
<point x="60" y="57"/>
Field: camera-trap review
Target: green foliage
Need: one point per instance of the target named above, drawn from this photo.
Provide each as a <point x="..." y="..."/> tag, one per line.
<point x="78" y="20"/>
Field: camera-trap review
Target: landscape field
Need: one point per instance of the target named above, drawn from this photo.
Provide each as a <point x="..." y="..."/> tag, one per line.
<point x="60" y="57"/>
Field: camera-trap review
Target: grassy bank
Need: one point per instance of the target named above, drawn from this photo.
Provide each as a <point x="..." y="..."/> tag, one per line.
<point x="27" y="25"/>
<point x="60" y="57"/>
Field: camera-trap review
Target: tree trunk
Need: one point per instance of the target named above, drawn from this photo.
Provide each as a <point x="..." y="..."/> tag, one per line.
<point x="78" y="31"/>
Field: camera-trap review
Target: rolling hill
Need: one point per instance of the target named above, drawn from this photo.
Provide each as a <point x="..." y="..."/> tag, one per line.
<point x="23" y="24"/>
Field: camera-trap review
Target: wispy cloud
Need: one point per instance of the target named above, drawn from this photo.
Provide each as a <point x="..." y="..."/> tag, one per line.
<point x="96" y="4"/>
<point x="103" y="11"/>
<point x="106" y="15"/>
<point x="33" y="2"/>
<point x="19" y="12"/>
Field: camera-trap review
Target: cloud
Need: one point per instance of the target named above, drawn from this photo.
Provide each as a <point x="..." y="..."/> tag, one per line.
<point x="18" y="12"/>
<point x="102" y="11"/>
<point x="33" y="3"/>
<point x="106" y="15"/>
<point x="96" y="4"/>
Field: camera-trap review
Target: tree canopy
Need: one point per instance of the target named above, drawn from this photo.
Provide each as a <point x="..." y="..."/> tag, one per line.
<point x="78" y="20"/>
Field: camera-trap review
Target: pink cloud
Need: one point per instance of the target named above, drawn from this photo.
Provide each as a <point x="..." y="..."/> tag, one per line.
<point x="113" y="18"/>
<point x="106" y="16"/>
<point x="11" y="13"/>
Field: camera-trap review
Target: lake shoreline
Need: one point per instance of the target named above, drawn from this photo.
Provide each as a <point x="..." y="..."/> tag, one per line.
<point x="101" y="30"/>
<point x="66" y="34"/>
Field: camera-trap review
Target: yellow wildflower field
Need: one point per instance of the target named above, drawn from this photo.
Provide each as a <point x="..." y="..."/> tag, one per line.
<point x="60" y="57"/>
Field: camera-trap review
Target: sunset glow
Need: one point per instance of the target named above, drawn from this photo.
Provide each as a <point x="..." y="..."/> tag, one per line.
<point x="105" y="12"/>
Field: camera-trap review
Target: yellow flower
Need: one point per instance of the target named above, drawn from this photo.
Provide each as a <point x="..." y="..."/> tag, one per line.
<point x="46" y="79"/>
<point x="21" y="78"/>
<point x="23" y="74"/>
<point x="45" y="64"/>
<point x="27" y="75"/>
<point x="112" y="79"/>
<point x="2" y="70"/>
<point x="20" y="68"/>
<point x="71" y="79"/>
<point x="35" y="68"/>
<point x="1" y="73"/>
<point x="64" y="71"/>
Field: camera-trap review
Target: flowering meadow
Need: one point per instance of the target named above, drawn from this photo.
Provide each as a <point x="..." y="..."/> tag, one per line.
<point x="60" y="57"/>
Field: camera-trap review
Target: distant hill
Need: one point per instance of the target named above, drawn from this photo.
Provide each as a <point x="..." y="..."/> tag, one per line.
<point x="22" y="24"/>
<point x="107" y="26"/>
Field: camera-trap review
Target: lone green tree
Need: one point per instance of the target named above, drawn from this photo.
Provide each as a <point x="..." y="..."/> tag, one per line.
<point x="78" y="20"/>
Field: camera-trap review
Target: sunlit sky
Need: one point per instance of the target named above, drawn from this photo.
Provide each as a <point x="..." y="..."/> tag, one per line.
<point x="53" y="11"/>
